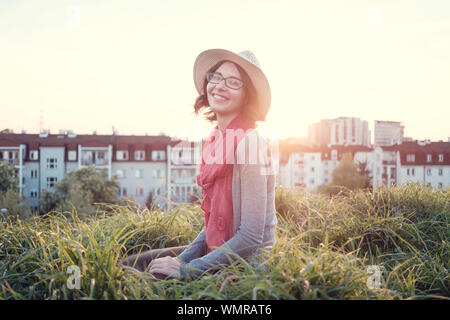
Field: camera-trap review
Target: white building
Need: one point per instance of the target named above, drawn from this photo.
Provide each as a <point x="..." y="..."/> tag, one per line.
<point x="419" y="161"/>
<point x="388" y="133"/>
<point x="141" y="163"/>
<point x="343" y="131"/>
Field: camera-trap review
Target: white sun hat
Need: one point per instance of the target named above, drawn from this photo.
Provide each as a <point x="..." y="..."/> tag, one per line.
<point x="247" y="61"/>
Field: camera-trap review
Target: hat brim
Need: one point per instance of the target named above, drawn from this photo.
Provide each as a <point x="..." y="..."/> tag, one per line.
<point x="207" y="59"/>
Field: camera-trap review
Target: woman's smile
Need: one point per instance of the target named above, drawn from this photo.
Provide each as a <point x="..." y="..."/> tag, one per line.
<point x="222" y="99"/>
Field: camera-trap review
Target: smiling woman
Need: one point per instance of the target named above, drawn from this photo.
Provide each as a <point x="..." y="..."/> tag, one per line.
<point x="238" y="196"/>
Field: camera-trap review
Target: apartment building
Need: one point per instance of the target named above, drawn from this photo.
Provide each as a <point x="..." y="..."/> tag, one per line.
<point x="309" y="167"/>
<point x="344" y="131"/>
<point x="418" y="161"/>
<point x="388" y="133"/>
<point x="142" y="164"/>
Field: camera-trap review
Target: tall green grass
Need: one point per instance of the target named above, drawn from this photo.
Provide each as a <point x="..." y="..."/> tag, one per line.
<point x="325" y="246"/>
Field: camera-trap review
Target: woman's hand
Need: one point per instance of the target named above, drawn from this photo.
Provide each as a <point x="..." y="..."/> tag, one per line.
<point x="168" y="266"/>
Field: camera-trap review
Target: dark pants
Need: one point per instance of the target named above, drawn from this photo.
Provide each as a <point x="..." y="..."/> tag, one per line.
<point x="141" y="261"/>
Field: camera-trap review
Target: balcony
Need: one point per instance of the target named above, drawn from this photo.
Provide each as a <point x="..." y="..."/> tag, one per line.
<point x="184" y="181"/>
<point x="94" y="158"/>
<point x="13" y="162"/>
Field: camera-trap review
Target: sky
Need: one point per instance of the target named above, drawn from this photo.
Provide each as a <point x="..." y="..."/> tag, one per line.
<point x="93" y="65"/>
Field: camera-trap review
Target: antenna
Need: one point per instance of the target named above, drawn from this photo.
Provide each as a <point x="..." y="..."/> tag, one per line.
<point x="41" y="121"/>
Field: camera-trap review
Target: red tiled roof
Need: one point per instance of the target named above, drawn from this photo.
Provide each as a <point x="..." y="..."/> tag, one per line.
<point x="139" y="146"/>
<point x="159" y="146"/>
<point x="8" y="143"/>
<point x="122" y="146"/>
<point x="72" y="146"/>
<point x="95" y="143"/>
<point x="34" y="141"/>
<point x="33" y="145"/>
<point x="421" y="151"/>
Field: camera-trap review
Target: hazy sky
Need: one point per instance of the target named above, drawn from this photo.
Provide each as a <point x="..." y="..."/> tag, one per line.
<point x="90" y="65"/>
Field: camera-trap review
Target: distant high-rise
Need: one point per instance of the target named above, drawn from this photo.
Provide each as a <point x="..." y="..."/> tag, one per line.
<point x="340" y="131"/>
<point x="388" y="133"/>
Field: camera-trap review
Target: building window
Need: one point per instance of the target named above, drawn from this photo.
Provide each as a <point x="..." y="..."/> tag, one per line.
<point x="428" y="172"/>
<point x="413" y="171"/>
<point x="122" y="155"/>
<point x="441" y="157"/>
<point x="51" y="181"/>
<point x="139" y="173"/>
<point x="34" y="155"/>
<point x="124" y="192"/>
<point x="326" y="180"/>
<point x="312" y="169"/>
<point x="429" y="157"/>
<point x="34" y="174"/>
<point x="312" y="181"/>
<point x="139" y="155"/>
<point x="121" y="173"/>
<point x="72" y="155"/>
<point x="158" y="155"/>
<point x="158" y="174"/>
<point x="410" y="157"/>
<point x="140" y="191"/>
<point x="52" y="163"/>
<point x="33" y="194"/>
<point x="440" y="185"/>
<point x="407" y="171"/>
<point x="440" y="171"/>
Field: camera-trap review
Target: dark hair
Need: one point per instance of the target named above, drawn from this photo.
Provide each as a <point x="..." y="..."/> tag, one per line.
<point x="249" y="111"/>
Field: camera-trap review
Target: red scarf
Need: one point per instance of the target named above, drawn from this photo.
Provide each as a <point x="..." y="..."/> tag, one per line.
<point x="215" y="177"/>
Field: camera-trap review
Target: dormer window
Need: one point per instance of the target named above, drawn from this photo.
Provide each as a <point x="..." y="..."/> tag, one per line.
<point x="34" y="155"/>
<point x="158" y="155"/>
<point x="139" y="155"/>
<point x="122" y="155"/>
<point x="441" y="157"/>
<point x="72" y="155"/>
<point x="410" y="157"/>
<point x="429" y="157"/>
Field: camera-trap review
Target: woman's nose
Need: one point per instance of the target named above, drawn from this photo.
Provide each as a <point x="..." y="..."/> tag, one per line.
<point x="221" y="84"/>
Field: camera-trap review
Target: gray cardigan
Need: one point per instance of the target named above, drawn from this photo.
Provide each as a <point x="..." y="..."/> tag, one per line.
<point x="254" y="221"/>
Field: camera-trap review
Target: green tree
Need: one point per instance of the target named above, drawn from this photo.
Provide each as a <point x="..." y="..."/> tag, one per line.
<point x="365" y="172"/>
<point x="81" y="189"/>
<point x="10" y="198"/>
<point x="15" y="205"/>
<point x="7" y="178"/>
<point x="345" y="177"/>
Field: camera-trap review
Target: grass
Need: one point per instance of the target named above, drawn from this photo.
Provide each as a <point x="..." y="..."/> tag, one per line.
<point x="324" y="250"/>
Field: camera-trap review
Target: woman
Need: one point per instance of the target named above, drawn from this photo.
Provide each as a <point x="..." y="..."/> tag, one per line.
<point x="238" y="190"/>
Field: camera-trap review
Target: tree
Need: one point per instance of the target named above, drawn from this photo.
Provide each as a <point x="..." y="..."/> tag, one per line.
<point x="362" y="170"/>
<point x="345" y="176"/>
<point x="81" y="189"/>
<point x="7" y="178"/>
<point x="10" y="198"/>
<point x="15" y="205"/>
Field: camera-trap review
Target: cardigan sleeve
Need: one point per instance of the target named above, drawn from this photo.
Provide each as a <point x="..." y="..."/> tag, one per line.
<point x="196" y="249"/>
<point x="249" y="235"/>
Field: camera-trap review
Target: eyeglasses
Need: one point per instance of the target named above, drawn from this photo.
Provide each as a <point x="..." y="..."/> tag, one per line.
<point x="232" y="83"/>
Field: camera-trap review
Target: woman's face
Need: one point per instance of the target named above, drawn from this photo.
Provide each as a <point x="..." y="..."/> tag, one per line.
<point x="222" y="99"/>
